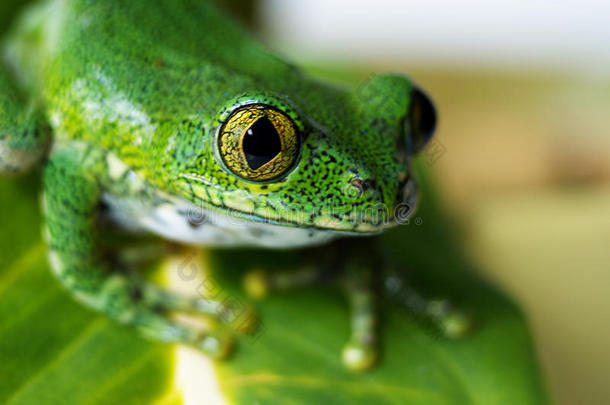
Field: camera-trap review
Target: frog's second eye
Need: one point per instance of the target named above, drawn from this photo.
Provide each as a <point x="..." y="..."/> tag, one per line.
<point x="422" y="119"/>
<point x="258" y="143"/>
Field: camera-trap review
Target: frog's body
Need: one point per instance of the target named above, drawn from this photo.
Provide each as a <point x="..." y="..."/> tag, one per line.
<point x="149" y="104"/>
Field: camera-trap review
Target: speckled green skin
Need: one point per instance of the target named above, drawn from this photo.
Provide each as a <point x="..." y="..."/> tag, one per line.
<point x="23" y="135"/>
<point x="135" y="92"/>
<point x="172" y="69"/>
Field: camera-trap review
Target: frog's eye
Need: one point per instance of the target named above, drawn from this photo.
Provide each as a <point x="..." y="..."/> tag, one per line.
<point x="258" y="143"/>
<point x="422" y="119"/>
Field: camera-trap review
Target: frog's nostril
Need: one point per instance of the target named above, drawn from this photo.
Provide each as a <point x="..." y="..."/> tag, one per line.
<point x="361" y="185"/>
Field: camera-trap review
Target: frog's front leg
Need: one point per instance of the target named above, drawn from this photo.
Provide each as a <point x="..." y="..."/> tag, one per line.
<point x="72" y="192"/>
<point x="24" y="137"/>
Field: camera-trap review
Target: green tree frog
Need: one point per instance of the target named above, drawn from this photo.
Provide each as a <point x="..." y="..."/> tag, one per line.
<point x="159" y="109"/>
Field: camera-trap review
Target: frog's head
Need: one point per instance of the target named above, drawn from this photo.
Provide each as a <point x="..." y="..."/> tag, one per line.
<point x="321" y="158"/>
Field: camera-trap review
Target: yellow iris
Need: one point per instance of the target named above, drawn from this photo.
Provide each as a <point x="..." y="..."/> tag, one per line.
<point x="258" y="142"/>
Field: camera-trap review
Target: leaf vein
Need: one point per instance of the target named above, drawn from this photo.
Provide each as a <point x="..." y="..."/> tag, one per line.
<point x="70" y="348"/>
<point x="20" y="264"/>
<point x="274" y="379"/>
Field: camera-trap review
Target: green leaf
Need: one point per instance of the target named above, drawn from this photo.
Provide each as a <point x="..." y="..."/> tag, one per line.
<point x="52" y="350"/>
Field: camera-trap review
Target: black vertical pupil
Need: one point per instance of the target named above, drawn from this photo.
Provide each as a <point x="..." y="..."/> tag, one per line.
<point x="261" y="143"/>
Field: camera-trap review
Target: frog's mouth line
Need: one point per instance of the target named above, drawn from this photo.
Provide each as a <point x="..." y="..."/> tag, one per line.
<point x="353" y="223"/>
<point x="355" y="230"/>
<point x="223" y="214"/>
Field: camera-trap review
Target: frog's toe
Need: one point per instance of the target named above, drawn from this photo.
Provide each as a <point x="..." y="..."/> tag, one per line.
<point x="457" y="324"/>
<point x="216" y="344"/>
<point x="243" y="321"/>
<point x="359" y="356"/>
<point x="240" y="317"/>
<point x="451" y="321"/>
<point x="257" y="283"/>
<point x="441" y="313"/>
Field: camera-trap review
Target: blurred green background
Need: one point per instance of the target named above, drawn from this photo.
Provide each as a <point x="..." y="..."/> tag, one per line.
<point x="522" y="160"/>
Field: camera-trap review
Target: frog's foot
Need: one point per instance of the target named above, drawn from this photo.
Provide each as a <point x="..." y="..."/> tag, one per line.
<point x="358" y="273"/>
<point x="131" y="303"/>
<point x="239" y="317"/>
<point x="453" y="322"/>
<point x="172" y="317"/>
<point x="441" y="313"/>
<point x="360" y="352"/>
